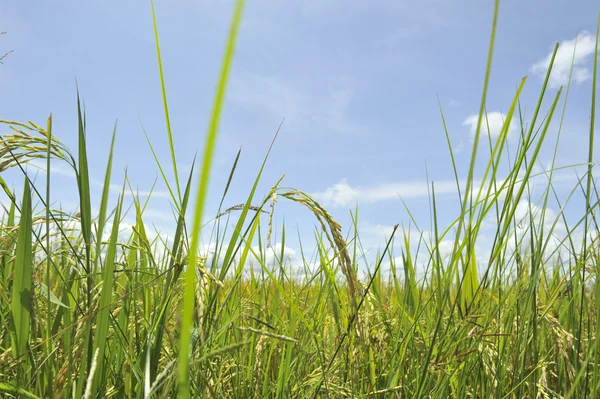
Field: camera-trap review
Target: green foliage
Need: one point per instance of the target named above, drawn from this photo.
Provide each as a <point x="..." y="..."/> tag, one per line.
<point x="22" y="287"/>
<point x="138" y="316"/>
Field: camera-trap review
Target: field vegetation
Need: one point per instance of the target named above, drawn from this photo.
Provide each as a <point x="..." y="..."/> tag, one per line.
<point x="93" y="308"/>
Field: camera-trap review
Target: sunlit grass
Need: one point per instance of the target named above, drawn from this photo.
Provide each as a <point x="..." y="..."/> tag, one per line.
<point x="85" y="312"/>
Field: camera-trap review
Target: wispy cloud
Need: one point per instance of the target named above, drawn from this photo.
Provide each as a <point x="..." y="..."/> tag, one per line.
<point x="381" y="231"/>
<point x="491" y="124"/>
<point x="343" y="194"/>
<point x="574" y="52"/>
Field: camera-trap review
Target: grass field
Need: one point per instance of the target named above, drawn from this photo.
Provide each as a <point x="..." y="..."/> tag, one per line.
<point x="93" y="308"/>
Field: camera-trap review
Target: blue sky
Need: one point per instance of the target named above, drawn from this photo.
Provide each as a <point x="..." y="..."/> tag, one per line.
<point x="357" y="83"/>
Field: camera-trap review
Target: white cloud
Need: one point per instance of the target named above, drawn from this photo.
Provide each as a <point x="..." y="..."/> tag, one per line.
<point x="343" y="194"/>
<point x="379" y="230"/>
<point x="492" y="124"/>
<point x="583" y="47"/>
<point x="377" y="235"/>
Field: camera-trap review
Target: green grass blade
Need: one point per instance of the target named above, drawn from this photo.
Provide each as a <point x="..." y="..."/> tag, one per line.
<point x="83" y="183"/>
<point x="16" y="391"/>
<point x="85" y="216"/>
<point x="48" y="377"/>
<point x="22" y="288"/>
<point x="172" y="276"/>
<point x="104" y="199"/>
<point x="588" y="195"/>
<point x="166" y="104"/>
<point x="190" y="275"/>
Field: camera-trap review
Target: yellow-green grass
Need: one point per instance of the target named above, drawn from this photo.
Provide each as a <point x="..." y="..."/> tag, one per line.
<point x="146" y="317"/>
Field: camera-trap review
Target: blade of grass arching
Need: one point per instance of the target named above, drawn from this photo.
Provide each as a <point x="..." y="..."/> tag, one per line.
<point x="588" y="193"/>
<point x="49" y="383"/>
<point x="104" y="200"/>
<point x="190" y="275"/>
<point x="106" y="297"/>
<point x="74" y="252"/>
<point x="22" y="288"/>
<point x="166" y="105"/>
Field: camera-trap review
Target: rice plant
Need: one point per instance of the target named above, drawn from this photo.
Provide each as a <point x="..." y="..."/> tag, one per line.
<point x="92" y="308"/>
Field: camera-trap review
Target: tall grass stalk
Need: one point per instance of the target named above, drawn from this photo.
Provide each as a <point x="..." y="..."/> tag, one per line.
<point x="91" y="307"/>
